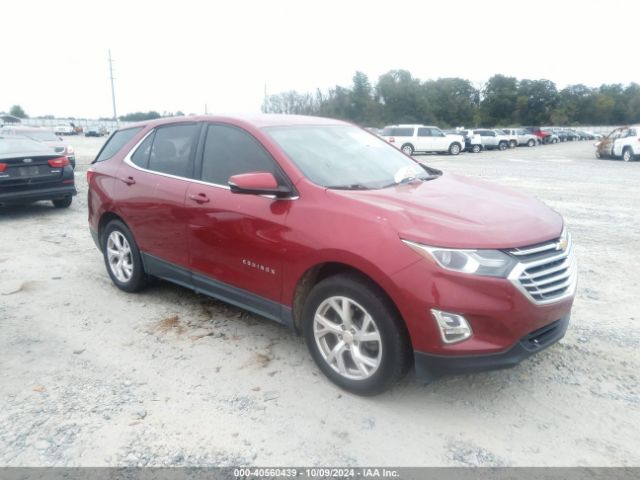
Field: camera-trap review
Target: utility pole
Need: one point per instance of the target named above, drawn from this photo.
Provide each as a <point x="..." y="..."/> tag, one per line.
<point x="113" y="91"/>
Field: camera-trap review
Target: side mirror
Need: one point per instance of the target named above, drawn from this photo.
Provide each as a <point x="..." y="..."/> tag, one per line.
<point x="258" y="183"/>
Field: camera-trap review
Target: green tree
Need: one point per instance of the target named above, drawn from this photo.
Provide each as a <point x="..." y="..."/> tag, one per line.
<point x="451" y="102"/>
<point x="140" y="116"/>
<point x="401" y="97"/>
<point x="17" y="111"/>
<point x="499" y="101"/>
<point x="536" y="101"/>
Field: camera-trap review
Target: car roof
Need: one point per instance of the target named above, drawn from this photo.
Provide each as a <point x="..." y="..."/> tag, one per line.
<point x="255" y="120"/>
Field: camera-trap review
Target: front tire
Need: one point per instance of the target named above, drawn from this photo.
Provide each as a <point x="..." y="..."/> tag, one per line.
<point x="476" y="148"/>
<point x="513" y="144"/>
<point x="531" y="143"/>
<point x="627" y="155"/>
<point x="355" y="335"/>
<point x="122" y="257"/>
<point x="502" y="146"/>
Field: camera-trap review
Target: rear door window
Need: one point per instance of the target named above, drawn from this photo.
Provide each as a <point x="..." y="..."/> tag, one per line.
<point x="118" y="140"/>
<point x="173" y="149"/>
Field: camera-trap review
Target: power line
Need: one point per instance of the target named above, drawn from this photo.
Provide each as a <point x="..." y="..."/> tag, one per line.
<point x="113" y="91"/>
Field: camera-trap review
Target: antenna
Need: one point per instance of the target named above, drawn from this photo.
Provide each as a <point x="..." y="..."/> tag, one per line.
<point x="113" y="91"/>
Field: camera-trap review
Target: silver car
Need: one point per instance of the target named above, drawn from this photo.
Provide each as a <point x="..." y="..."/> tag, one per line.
<point x="522" y="136"/>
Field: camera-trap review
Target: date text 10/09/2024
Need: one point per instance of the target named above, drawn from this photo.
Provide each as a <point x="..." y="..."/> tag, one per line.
<point x="316" y="472"/>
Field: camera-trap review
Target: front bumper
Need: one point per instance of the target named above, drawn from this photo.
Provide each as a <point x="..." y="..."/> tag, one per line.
<point x="430" y="367"/>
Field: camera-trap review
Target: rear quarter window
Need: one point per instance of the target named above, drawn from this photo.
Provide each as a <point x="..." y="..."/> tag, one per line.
<point x="115" y="143"/>
<point x="398" y="132"/>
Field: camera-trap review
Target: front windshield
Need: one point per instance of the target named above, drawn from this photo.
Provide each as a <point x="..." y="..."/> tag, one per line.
<point x="344" y="156"/>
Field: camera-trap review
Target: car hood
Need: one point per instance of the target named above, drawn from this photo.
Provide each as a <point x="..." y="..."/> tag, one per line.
<point x="460" y="212"/>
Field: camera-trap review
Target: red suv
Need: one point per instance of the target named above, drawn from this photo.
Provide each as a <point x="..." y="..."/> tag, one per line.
<point x="379" y="261"/>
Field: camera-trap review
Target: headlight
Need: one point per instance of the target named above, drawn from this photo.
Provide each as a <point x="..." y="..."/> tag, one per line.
<point x="492" y="263"/>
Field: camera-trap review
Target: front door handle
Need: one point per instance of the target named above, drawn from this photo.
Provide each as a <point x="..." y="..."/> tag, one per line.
<point x="128" y="180"/>
<point x="199" y="198"/>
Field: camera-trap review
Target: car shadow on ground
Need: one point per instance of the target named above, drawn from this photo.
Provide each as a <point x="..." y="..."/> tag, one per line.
<point x="27" y="211"/>
<point x="483" y="387"/>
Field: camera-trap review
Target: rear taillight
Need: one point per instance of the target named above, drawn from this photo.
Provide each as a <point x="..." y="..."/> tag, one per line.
<point x="59" y="162"/>
<point x="391" y="139"/>
<point x="90" y="174"/>
<point x="3" y="167"/>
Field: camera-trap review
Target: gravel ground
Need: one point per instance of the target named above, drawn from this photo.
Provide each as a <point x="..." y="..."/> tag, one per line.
<point x="92" y="376"/>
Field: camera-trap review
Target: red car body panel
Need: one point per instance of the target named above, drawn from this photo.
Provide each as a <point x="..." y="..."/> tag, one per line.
<point x="266" y="245"/>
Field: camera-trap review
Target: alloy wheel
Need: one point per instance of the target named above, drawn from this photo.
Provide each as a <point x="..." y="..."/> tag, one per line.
<point x="347" y="337"/>
<point x="119" y="256"/>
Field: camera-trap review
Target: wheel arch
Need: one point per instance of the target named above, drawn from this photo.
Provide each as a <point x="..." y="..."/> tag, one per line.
<point x="315" y="274"/>
<point x="107" y="217"/>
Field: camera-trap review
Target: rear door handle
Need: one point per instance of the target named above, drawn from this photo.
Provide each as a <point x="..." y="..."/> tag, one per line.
<point x="199" y="198"/>
<point x="128" y="180"/>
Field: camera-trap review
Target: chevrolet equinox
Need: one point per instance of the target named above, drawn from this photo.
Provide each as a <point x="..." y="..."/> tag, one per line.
<point x="380" y="262"/>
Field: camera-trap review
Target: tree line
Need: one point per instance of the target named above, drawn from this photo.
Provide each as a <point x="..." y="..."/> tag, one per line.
<point x="398" y="97"/>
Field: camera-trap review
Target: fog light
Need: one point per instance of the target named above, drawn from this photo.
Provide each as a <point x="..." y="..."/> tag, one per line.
<point x="453" y="327"/>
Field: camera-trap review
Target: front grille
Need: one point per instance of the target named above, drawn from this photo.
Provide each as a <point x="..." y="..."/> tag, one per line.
<point x="59" y="149"/>
<point x="545" y="273"/>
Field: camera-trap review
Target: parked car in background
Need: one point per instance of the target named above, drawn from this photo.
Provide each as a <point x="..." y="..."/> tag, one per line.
<point x="472" y="141"/>
<point x="593" y="135"/>
<point x="522" y="136"/>
<point x="561" y="133"/>
<point x="422" y="139"/>
<point x="64" y="129"/>
<point x="47" y="137"/>
<point x="492" y="140"/>
<point x="623" y="143"/>
<point x="31" y="171"/>
<point x="94" y="131"/>
<point x="380" y="262"/>
<point x="545" y="136"/>
<point x="572" y="135"/>
<point x="513" y="139"/>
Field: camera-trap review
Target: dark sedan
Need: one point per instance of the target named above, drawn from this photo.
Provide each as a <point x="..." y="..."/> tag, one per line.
<point x="31" y="171"/>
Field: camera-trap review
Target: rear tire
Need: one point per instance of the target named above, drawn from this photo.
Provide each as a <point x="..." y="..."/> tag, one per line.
<point x="476" y="148"/>
<point x="407" y="149"/>
<point x="339" y="312"/>
<point x="63" y="202"/>
<point x="122" y="258"/>
<point x="513" y="144"/>
<point x="454" y="149"/>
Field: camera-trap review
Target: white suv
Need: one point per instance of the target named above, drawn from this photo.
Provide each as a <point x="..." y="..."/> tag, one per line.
<point x="422" y="138"/>
<point x="623" y="142"/>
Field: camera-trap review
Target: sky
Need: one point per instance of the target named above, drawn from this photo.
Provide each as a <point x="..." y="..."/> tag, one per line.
<point x="171" y="56"/>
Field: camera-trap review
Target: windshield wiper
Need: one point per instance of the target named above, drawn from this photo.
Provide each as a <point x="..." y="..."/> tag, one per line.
<point x="410" y="179"/>
<point x="352" y="186"/>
